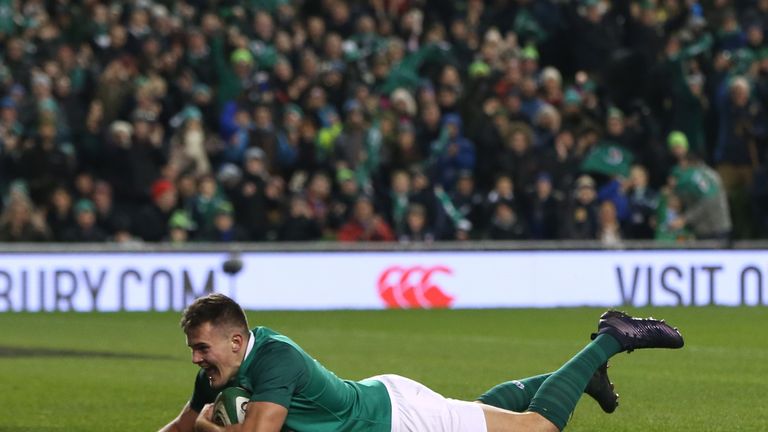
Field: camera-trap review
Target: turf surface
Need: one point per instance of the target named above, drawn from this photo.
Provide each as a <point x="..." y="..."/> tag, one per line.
<point x="132" y="371"/>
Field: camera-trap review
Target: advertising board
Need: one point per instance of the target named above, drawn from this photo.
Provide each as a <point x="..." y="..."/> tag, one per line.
<point x="379" y="280"/>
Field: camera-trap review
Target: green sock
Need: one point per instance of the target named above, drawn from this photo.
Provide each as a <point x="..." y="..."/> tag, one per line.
<point x="513" y="395"/>
<point x="557" y="397"/>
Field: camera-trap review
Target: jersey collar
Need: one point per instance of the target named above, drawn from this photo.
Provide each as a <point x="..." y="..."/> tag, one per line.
<point x="251" y="342"/>
<point x="241" y="377"/>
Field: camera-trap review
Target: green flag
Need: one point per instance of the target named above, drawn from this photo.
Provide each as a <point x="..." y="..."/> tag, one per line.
<point x="608" y="158"/>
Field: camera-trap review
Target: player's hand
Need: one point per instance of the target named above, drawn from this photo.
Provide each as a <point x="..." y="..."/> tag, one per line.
<point x="207" y="412"/>
<point x="204" y="420"/>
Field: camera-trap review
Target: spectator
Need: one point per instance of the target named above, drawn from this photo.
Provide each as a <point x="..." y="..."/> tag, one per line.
<point x="11" y="133"/>
<point x="503" y="192"/>
<point x="151" y="223"/>
<point x="349" y="148"/>
<point x="84" y="185"/>
<point x="85" y="229"/>
<point x="186" y="188"/>
<point x="300" y="224"/>
<point x="547" y="124"/>
<point x="704" y="201"/>
<point x="742" y="122"/>
<point x="224" y="228"/>
<point x="574" y="117"/>
<point x="581" y="215"/>
<point x="319" y="198"/>
<point x="506" y="225"/>
<point x="488" y="134"/>
<point x="561" y="161"/>
<point x="428" y="126"/>
<point x="365" y="224"/>
<point x="609" y="228"/>
<point x="249" y="195"/>
<point x="543" y="209"/>
<point x="344" y="199"/>
<point x="236" y="133"/>
<point x="206" y="202"/>
<point x="615" y="191"/>
<point x="180" y="227"/>
<point x="20" y="223"/>
<point x="619" y="131"/>
<point x="59" y="217"/>
<point x="517" y="159"/>
<point x="416" y="228"/>
<point x="106" y="214"/>
<point x="677" y="143"/>
<point x="452" y="152"/>
<point x="133" y="161"/>
<point x="670" y="211"/>
<point x="188" y="150"/>
<point x="263" y="135"/>
<point x="422" y="192"/>
<point x="643" y="204"/>
<point x="44" y="165"/>
<point x="405" y="151"/>
<point x="468" y="202"/>
<point x="594" y="34"/>
<point x="123" y="235"/>
<point x="397" y="201"/>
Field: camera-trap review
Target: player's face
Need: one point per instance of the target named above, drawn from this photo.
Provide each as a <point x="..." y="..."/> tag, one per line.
<point x="217" y="351"/>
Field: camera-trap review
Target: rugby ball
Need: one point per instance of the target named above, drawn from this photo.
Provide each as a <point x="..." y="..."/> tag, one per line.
<point x="230" y="405"/>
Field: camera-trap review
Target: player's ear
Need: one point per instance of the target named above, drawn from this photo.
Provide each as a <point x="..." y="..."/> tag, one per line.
<point x="237" y="341"/>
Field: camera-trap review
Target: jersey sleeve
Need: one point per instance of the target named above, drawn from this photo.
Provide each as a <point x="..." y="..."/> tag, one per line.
<point x="202" y="394"/>
<point x="276" y="375"/>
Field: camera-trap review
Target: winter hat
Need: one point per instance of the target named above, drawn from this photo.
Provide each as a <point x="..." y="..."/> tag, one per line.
<point x="677" y="139"/>
<point x="160" y="187"/>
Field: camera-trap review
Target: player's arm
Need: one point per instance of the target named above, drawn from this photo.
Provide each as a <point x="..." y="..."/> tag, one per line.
<point x="184" y="422"/>
<point x="259" y="417"/>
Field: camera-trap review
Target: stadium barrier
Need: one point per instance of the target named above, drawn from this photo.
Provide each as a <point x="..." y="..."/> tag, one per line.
<point x="35" y="278"/>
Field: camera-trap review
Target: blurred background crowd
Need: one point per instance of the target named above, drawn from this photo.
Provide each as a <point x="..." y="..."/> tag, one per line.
<point x="383" y="120"/>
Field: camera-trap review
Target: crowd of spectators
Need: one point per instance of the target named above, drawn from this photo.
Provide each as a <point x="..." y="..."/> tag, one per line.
<point x="382" y="120"/>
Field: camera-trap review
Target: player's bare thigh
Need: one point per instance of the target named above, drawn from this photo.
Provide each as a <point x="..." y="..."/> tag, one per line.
<point x="499" y="420"/>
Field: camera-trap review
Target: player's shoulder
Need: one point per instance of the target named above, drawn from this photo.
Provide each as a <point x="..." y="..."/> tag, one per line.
<point x="266" y="335"/>
<point x="274" y="342"/>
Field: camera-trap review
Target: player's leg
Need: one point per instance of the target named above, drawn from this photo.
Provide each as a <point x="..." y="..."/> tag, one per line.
<point x="558" y="394"/>
<point x="617" y="332"/>
<point x="499" y="420"/>
<point x="516" y="395"/>
<point x="556" y="398"/>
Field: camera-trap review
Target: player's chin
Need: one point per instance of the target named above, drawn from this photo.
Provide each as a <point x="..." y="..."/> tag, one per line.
<point x="214" y="377"/>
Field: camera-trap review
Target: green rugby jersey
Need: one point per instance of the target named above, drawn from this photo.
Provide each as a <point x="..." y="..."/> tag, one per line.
<point x="277" y="370"/>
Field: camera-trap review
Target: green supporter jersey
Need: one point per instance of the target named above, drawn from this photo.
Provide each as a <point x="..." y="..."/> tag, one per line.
<point x="277" y="370"/>
<point x="696" y="182"/>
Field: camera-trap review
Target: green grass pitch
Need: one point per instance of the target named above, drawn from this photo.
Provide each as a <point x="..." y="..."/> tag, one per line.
<point x="132" y="371"/>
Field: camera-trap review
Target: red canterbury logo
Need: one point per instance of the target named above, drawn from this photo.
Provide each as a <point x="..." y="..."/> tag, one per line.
<point x="411" y="287"/>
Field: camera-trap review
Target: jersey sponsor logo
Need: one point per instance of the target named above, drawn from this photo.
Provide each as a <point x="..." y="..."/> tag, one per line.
<point x="413" y="287"/>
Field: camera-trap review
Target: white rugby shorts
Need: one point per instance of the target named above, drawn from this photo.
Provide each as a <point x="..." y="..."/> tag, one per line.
<point x="417" y="408"/>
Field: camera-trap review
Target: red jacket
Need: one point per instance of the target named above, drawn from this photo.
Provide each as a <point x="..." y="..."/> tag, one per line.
<point x="355" y="231"/>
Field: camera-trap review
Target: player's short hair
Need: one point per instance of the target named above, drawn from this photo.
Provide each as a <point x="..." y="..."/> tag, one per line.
<point x="217" y="309"/>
